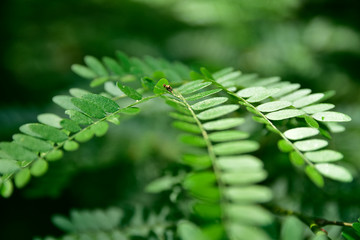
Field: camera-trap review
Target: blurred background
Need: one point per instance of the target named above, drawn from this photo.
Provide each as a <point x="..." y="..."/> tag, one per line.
<point x="315" y="43"/>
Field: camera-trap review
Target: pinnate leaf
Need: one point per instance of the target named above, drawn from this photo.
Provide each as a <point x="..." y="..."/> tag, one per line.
<point x="334" y="172"/>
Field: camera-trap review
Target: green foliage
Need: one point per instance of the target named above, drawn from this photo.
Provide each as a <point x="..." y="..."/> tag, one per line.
<point x="221" y="191"/>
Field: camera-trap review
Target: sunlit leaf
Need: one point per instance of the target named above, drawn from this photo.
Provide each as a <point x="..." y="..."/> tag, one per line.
<point x="284" y="114"/>
<point x="71" y="146"/>
<point x="321" y="107"/>
<point x="197" y="161"/>
<point x="223" y="124"/>
<point x="334" y="172"/>
<point x="241" y="162"/>
<point x="273" y="106"/>
<point x="324" y="156"/>
<point x="202" y="94"/>
<point x="301" y="133"/>
<point x="208" y="103"/>
<point x="305" y="101"/>
<point x="17" y="152"/>
<point x="285" y="146"/>
<point x="100" y="128"/>
<point x="189" y="231"/>
<point x="8" y="166"/>
<point x="193" y="86"/>
<point x="50" y="119"/>
<point x="296" y="95"/>
<point x="251" y="91"/>
<point x="248" y="194"/>
<point x="248" y="214"/>
<point x="310" y="145"/>
<point x="237" y="147"/>
<point x="331" y="117"/>
<point x="32" y="143"/>
<point x="54" y="155"/>
<point x="217" y="112"/>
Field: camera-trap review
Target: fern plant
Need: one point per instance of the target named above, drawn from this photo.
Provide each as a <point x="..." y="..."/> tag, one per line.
<point x="219" y="192"/>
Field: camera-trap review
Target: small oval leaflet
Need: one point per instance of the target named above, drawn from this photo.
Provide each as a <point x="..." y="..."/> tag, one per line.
<point x="208" y="103"/>
<point x="308" y="100"/>
<point x="44" y="131"/>
<point x="262" y="95"/>
<point x="334" y="172"/>
<point x="273" y="106"/>
<point x="202" y="94"/>
<point x="8" y="166"/>
<point x="310" y="145"/>
<point x="324" y="156"/>
<point x="296" y="95"/>
<point x="217" y="112"/>
<point x="259" y="194"/>
<point x="229" y="135"/>
<point x="314" y="176"/>
<point x="248" y="214"/>
<point x="248" y="92"/>
<point x="237" y="147"/>
<point x="50" y="119"/>
<point x="321" y="107"/>
<point x="188" y="127"/>
<point x="301" y="133"/>
<point x="331" y="117"/>
<point x="241" y="162"/>
<point x="223" y="124"/>
<point x="284" y="114"/>
<point x="193" y="86"/>
<point x="88" y="107"/>
<point x="95" y="65"/>
<point x="83" y="71"/>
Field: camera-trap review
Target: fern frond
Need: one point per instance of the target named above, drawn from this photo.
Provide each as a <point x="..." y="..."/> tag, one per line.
<point x="111" y="224"/>
<point x="29" y="152"/>
<point x="272" y="101"/>
<point x="223" y="182"/>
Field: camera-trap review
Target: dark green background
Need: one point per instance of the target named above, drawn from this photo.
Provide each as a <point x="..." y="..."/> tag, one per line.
<point x="314" y="43"/>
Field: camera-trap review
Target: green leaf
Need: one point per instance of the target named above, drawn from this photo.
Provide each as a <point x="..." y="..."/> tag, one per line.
<point x="207" y="210"/>
<point x="71" y="146"/>
<point x="296" y="95"/>
<point x="285" y="146"/>
<point x="50" y="119"/>
<point x="148" y="83"/>
<point x="206" y="73"/>
<point x="39" y="167"/>
<point x="249" y="194"/>
<point x="334" y="172"/>
<point x="32" y="143"/>
<point x="159" y="87"/>
<point x="8" y="166"/>
<point x="335" y="127"/>
<point x="115" y="119"/>
<point x="239" y="163"/>
<point x="89" y="108"/>
<point x="98" y="81"/>
<point x="188" y="127"/>
<point x="311" y="122"/>
<point x="202" y="94"/>
<point x="83" y="71"/>
<point x="105" y="103"/>
<point x="85" y="135"/>
<point x="266" y="81"/>
<point x="64" y="102"/>
<point x="217" y="112"/>
<point x="251" y="91"/>
<point x="44" y="131"/>
<point x="243" y="177"/>
<point x="248" y="214"/>
<point x="229" y="135"/>
<point x="310" y="145"/>
<point x="223" y="124"/>
<point x="301" y="133"/>
<point x="54" y="155"/>
<point x="284" y="114"/>
<point x="78" y="92"/>
<point x="331" y="117"/>
<point x="22" y="177"/>
<point x="325" y="133"/>
<point x="193" y="140"/>
<point x="182" y="117"/>
<point x="17" y="152"/>
<point x="260" y="120"/>
<point x="70" y="125"/>
<point x="314" y="176"/>
<point x="124" y="60"/>
<point x="312" y="98"/>
<point x="162" y="184"/>
<point x="7" y="189"/>
<point x="96" y="66"/>
<point x="79" y="117"/>
<point x="286" y="90"/>
<point x="224" y="72"/>
<point x="208" y="103"/>
<point x="291" y="229"/>
<point x="273" y="106"/>
<point x="179" y="106"/>
<point x="321" y="107"/>
<point x="129" y="91"/>
<point x="193" y="86"/>
<point x="189" y="231"/>
<point x="100" y="128"/>
<point x="324" y="156"/>
<point x="237" y="147"/>
<point x="113" y="66"/>
<point x="197" y="161"/>
<point x="130" y="110"/>
<point x="245" y="232"/>
<point x="296" y="159"/>
<point x="262" y="95"/>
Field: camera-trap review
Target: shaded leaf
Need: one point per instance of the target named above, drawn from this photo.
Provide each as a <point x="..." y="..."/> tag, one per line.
<point x="291" y="229"/>
<point x="197" y="161"/>
<point x="6" y="189"/>
<point x="83" y="71"/>
<point x="296" y="159"/>
<point x="113" y="66"/>
<point x="71" y="146"/>
<point x="100" y="128"/>
<point x="85" y="135"/>
<point x="32" y="143"/>
<point x="129" y="91"/>
<point x="105" y="103"/>
<point x="159" y="87"/>
<point x="188" y="127"/>
<point x="314" y="176"/>
<point x="98" y="81"/>
<point x="17" y="152"/>
<point x="89" y="108"/>
<point x="182" y="117"/>
<point x="189" y="231"/>
<point x="193" y="140"/>
<point x="39" y="168"/>
<point x="8" y="166"/>
<point x="54" y="155"/>
<point x="70" y="125"/>
<point x="79" y="117"/>
<point x="311" y="122"/>
<point x="22" y="177"/>
<point x="44" y="131"/>
<point x="285" y="146"/>
<point x="95" y="65"/>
